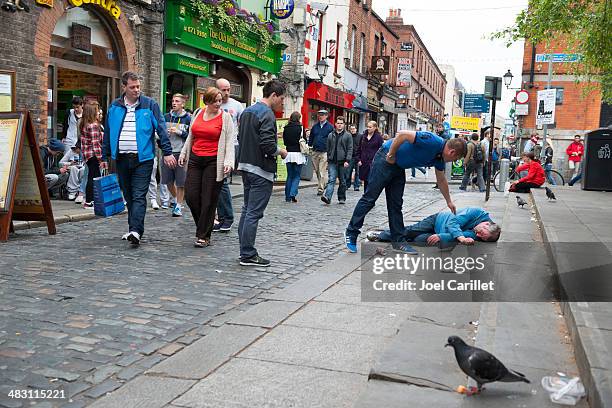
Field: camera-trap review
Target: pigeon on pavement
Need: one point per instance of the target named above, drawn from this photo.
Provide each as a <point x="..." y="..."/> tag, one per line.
<point x="520" y="201"/>
<point x="550" y="194"/>
<point x="481" y="365"/>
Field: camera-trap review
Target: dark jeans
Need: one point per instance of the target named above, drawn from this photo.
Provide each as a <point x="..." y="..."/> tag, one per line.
<point x="93" y="171"/>
<point x="336" y="171"/>
<point x="225" y="210"/>
<point x="523" y="187"/>
<point x="471" y="167"/>
<point x="202" y="192"/>
<point x="353" y="167"/>
<point x="293" y="180"/>
<point x="257" y="193"/>
<point x="575" y="179"/>
<point x="392" y="179"/>
<point x="134" y="178"/>
<point x="418" y="232"/>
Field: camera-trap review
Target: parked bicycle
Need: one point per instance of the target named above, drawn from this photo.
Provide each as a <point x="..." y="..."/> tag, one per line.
<point x="553" y="175"/>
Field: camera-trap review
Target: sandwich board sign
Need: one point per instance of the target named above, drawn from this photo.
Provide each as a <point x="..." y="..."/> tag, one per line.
<point x="23" y="189"/>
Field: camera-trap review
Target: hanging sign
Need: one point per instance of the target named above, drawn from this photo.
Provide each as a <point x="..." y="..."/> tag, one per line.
<point x="404" y="72"/>
<point x="380" y="65"/>
<point x="282" y="9"/>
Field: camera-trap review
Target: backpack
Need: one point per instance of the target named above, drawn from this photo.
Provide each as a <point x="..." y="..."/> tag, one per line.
<point x="478" y="155"/>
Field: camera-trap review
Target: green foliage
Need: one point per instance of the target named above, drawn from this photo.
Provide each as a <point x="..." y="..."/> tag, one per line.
<point x="585" y="25"/>
<point x="226" y="15"/>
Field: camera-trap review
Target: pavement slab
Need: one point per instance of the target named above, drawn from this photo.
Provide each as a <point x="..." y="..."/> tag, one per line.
<point x="145" y="392"/>
<point x="249" y="383"/>
<point x="205" y="355"/>
<point x="397" y="395"/>
<point x="266" y="314"/>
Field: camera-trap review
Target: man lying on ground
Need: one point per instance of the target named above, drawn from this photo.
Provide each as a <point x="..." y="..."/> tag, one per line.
<point x="447" y="229"/>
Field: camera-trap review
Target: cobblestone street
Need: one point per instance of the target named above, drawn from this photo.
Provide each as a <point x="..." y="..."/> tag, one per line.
<point x="83" y="312"/>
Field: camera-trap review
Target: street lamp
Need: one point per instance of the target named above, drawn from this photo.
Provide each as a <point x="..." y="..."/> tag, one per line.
<point x="508" y="79"/>
<point x="322" y="67"/>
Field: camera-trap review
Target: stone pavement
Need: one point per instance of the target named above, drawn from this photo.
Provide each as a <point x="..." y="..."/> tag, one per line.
<point x="578" y="236"/>
<point x="82" y="312"/>
<point x="315" y="343"/>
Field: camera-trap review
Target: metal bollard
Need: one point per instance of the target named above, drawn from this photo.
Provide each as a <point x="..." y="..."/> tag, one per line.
<point x="504" y="169"/>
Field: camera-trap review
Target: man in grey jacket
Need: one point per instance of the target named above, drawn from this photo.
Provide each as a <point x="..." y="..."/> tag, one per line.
<point x="339" y="153"/>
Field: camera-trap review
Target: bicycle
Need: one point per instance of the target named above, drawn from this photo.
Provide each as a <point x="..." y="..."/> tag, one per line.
<point x="514" y="176"/>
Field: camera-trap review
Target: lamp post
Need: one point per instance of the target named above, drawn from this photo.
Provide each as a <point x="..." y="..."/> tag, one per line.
<point x="508" y="82"/>
<point x="322" y="67"/>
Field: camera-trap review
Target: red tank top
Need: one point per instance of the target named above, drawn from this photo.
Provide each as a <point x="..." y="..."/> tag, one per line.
<point x="206" y="135"/>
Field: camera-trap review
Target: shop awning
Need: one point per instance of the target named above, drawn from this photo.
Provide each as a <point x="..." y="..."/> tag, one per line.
<point x="329" y="95"/>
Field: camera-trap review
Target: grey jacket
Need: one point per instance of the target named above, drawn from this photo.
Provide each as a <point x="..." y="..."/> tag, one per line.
<point x="345" y="147"/>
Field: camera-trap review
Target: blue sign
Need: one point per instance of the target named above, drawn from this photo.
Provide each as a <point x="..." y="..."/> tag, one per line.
<point x="475" y="103"/>
<point x="446" y="126"/>
<point x="558" y="57"/>
<point x="282" y="9"/>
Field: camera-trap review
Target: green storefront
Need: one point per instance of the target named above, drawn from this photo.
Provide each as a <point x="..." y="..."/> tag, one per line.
<point x="196" y="54"/>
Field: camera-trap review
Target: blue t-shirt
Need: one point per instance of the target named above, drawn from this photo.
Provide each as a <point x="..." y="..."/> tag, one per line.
<point x="426" y="151"/>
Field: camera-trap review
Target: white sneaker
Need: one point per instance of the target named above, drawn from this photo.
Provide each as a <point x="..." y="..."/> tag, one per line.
<point x="124" y="237"/>
<point x="134" y="238"/>
<point x="154" y="205"/>
<point x="79" y="199"/>
<point x="72" y="196"/>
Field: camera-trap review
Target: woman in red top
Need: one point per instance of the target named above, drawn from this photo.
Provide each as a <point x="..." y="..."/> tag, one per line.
<point x="91" y="147"/>
<point x="535" y="174"/>
<point x="209" y="154"/>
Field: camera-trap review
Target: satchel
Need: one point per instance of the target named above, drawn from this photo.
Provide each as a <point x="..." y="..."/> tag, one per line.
<point x="304" y="148"/>
<point x="108" y="199"/>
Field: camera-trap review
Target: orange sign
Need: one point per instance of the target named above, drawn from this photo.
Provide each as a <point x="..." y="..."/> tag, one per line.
<point x="46" y="3"/>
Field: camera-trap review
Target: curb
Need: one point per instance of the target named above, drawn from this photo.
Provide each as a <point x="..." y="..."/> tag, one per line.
<point x="597" y="396"/>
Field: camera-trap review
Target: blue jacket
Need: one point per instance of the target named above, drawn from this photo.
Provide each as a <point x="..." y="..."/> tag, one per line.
<point x="149" y="120"/>
<point x="450" y="226"/>
<point x="318" y="136"/>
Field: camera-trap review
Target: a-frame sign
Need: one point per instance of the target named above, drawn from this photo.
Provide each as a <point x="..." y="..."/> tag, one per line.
<point x="23" y="189"/>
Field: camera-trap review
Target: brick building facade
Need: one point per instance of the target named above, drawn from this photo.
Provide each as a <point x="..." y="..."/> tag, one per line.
<point x="51" y="64"/>
<point x="427" y="79"/>
<point x="578" y="106"/>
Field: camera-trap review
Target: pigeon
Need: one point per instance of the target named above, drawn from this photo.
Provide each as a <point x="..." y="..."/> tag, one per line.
<point x="481" y="365"/>
<point x="520" y="201"/>
<point x="550" y="194"/>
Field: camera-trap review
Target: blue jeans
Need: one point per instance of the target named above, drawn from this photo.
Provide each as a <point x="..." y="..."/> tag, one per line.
<point x="414" y="169"/>
<point x="575" y="179"/>
<point x="293" y="180"/>
<point x="392" y="179"/>
<point x="418" y="232"/>
<point x="353" y="166"/>
<point x="257" y="193"/>
<point x="336" y="171"/>
<point x="225" y="210"/>
<point x="134" y="178"/>
<point x="547" y="169"/>
<point x="83" y="185"/>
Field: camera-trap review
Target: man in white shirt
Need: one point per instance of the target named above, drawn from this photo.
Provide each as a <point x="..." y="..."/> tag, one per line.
<point x="71" y="120"/>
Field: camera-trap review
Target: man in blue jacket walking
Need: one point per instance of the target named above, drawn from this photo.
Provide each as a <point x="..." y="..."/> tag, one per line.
<point x="129" y="138"/>
<point x="447" y="229"/>
<point x="318" y="141"/>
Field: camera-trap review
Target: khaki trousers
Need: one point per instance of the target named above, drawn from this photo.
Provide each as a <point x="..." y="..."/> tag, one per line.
<point x="319" y="162"/>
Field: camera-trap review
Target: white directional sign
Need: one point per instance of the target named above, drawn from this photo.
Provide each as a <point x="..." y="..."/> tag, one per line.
<point x="545" y="113"/>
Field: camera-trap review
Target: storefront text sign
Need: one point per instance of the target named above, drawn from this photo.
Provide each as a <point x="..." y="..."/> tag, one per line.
<point x="464" y="122"/>
<point x="181" y="63"/>
<point x="109" y="5"/>
<point x="182" y="27"/>
<point x="46" y="3"/>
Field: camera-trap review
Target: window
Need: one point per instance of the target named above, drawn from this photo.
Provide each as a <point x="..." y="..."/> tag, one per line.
<point x="352" y="46"/>
<point x="336" y="52"/>
<point x="392" y="76"/>
<point x="376" y="41"/>
<point x="362" y="53"/>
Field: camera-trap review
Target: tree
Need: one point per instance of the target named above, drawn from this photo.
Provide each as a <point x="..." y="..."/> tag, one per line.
<point x="585" y="25"/>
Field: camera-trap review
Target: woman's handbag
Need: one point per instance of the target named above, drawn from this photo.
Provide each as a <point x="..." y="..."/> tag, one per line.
<point x="304" y="148"/>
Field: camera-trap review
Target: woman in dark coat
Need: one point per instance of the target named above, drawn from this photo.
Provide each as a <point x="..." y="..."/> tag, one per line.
<point x="370" y="143"/>
<point x="294" y="160"/>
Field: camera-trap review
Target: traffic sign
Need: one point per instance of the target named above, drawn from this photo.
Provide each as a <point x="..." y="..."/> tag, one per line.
<point x="558" y="57"/>
<point x="475" y="103"/>
<point x="522" y="97"/>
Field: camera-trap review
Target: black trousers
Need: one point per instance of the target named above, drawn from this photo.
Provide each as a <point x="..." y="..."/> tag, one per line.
<point x="523" y="187"/>
<point x="202" y="192"/>
<point x="93" y="171"/>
